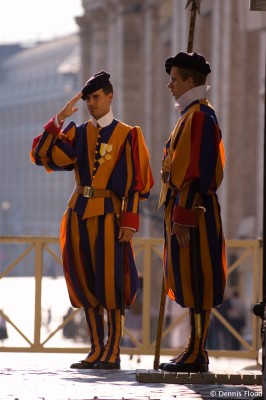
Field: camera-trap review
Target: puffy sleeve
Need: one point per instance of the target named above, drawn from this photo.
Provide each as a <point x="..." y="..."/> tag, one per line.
<point x="197" y="165"/>
<point x="143" y="181"/>
<point x="132" y="177"/>
<point x="53" y="149"/>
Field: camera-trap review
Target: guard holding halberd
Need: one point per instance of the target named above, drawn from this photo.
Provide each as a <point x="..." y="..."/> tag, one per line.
<point x="192" y="171"/>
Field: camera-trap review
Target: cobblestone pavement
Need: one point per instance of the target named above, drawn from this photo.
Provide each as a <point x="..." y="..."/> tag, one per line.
<point x="28" y="376"/>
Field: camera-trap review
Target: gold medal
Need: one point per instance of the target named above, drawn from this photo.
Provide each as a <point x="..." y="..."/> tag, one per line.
<point x="101" y="160"/>
<point x="108" y="157"/>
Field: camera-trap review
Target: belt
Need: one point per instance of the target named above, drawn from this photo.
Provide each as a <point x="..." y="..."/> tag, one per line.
<point x="90" y="191"/>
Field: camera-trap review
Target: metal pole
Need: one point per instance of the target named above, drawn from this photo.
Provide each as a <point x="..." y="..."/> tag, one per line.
<point x="156" y="361"/>
<point x="122" y="306"/>
<point x="195" y="7"/>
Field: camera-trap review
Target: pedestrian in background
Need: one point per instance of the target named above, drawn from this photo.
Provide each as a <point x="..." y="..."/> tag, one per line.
<point x="112" y="173"/>
<point x="3" y="329"/>
<point x="236" y="317"/>
<point x="192" y="171"/>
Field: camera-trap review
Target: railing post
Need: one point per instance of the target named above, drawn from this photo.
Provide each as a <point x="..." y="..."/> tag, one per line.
<point x="38" y="294"/>
<point x="146" y="320"/>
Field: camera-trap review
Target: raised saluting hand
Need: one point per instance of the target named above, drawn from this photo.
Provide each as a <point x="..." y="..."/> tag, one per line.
<point x="69" y="108"/>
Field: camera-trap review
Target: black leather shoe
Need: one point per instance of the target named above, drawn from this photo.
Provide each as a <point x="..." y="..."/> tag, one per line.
<point x="106" y="365"/>
<point x="83" y="364"/>
<point x="162" y="365"/>
<point x="173" y="367"/>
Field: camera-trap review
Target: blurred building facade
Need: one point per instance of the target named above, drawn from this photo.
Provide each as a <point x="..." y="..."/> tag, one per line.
<point x="34" y="83"/>
<point x="131" y="39"/>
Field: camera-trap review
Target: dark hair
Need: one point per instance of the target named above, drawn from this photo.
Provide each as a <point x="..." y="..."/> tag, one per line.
<point x="108" y="89"/>
<point x="198" y="78"/>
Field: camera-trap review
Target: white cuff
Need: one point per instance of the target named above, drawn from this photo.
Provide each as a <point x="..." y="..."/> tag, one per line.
<point x="57" y="123"/>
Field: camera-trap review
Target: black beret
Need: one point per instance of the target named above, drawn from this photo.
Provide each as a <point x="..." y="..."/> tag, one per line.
<point x="193" y="61"/>
<point x="96" y="82"/>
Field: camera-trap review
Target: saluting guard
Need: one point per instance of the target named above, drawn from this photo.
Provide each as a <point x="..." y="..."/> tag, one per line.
<point x="110" y="162"/>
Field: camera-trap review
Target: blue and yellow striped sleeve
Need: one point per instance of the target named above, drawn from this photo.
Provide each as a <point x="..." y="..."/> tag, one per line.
<point x="53" y="149"/>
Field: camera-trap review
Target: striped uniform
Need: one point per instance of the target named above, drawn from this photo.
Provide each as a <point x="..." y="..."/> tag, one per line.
<point x="193" y="166"/>
<point x="111" y="159"/>
<point x="194" y="159"/>
<point x="114" y="158"/>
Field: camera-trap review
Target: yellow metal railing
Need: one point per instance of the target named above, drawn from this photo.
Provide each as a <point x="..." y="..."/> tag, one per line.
<point x="246" y="256"/>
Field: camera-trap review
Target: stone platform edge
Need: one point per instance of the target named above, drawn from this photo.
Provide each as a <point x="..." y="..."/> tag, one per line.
<point x="221" y="377"/>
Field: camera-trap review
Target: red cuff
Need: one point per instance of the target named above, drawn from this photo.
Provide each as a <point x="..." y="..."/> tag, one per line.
<point x="36" y="141"/>
<point x="130" y="220"/>
<point x="50" y="127"/>
<point x="183" y="216"/>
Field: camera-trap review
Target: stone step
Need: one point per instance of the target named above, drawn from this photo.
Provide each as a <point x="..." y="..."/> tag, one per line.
<point x="219" y="377"/>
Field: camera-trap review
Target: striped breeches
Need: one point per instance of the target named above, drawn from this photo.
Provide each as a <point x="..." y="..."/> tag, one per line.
<point x="100" y="351"/>
<point x="92" y="262"/>
<point x="195" y="352"/>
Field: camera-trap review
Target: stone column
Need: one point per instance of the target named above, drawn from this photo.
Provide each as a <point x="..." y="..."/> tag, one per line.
<point x="94" y="40"/>
<point x="179" y="38"/>
<point x="226" y="61"/>
<point x="220" y="76"/>
<point x="130" y="30"/>
<point x="150" y="94"/>
<point x="148" y="68"/>
<point x="116" y="57"/>
<point x="84" y="24"/>
<point x="99" y="40"/>
<point x="260" y="143"/>
<point x="180" y="30"/>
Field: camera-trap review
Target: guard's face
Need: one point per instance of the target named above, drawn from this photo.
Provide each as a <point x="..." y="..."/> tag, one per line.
<point x="177" y="86"/>
<point x="99" y="103"/>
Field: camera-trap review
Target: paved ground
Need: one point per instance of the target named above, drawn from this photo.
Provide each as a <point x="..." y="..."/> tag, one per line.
<point x="31" y="376"/>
